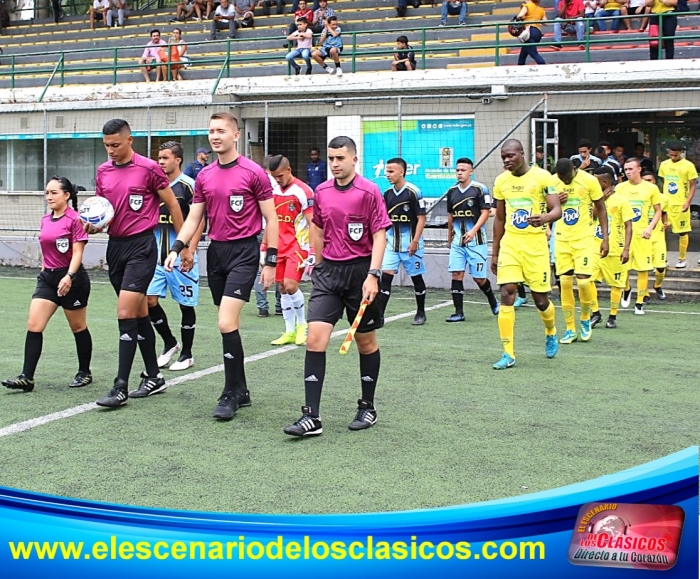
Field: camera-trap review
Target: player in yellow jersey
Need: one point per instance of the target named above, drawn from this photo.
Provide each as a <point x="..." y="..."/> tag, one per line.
<point x="658" y="240"/>
<point x="678" y="176"/>
<point x="644" y="198"/>
<point x="612" y="268"/>
<point x="575" y="246"/>
<point x="526" y="201"/>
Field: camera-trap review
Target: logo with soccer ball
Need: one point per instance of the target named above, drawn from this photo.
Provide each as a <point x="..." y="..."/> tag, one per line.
<point x="570" y="216"/>
<point x="520" y="217"/>
<point x="637" y="214"/>
<point x="672" y="187"/>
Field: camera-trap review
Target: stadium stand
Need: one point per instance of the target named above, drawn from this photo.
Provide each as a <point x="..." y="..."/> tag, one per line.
<point x="370" y="26"/>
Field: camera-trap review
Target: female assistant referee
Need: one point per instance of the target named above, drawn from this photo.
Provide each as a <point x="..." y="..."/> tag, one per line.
<point x="62" y="281"/>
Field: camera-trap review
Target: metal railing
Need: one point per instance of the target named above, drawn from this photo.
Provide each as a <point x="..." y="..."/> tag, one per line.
<point x="424" y="49"/>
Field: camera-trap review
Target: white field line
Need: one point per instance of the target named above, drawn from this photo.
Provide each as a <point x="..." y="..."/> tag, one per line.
<point x="41" y="420"/>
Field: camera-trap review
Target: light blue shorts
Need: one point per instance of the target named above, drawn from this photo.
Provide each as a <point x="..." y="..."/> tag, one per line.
<point x="184" y="287"/>
<point x="472" y="258"/>
<point x="413" y="264"/>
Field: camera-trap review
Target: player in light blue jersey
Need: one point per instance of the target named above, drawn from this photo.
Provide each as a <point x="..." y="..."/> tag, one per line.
<point x="183" y="286"/>
<point x="404" y="239"/>
<point x="468" y="206"/>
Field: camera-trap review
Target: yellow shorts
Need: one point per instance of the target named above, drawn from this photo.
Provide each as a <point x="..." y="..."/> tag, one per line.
<point x="640" y="253"/>
<point x="658" y="252"/>
<point x="576" y="256"/>
<point x="524" y="259"/>
<point x="679" y="219"/>
<point x="610" y="270"/>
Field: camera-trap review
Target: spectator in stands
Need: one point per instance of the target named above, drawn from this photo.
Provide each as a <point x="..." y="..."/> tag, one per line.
<point x="267" y="4"/>
<point x="316" y="169"/>
<point x="302" y="12"/>
<point x="118" y="11"/>
<point x="98" y="11"/>
<point x="589" y="8"/>
<point x="531" y="11"/>
<point x="584" y="160"/>
<point x="150" y="57"/>
<point x="570" y="20"/>
<point x="57" y="12"/>
<point x="304" y="40"/>
<point x="666" y="23"/>
<point x="454" y="8"/>
<point x="4" y="18"/>
<point x="403" y="6"/>
<point x="321" y="14"/>
<point x="331" y="45"/>
<point x="178" y="49"/>
<point x="224" y="19"/>
<point x="636" y="8"/>
<point x="644" y="161"/>
<point x="200" y="161"/>
<point x="405" y="58"/>
<point x="199" y="7"/>
<point x="608" y="8"/>
<point x="244" y="13"/>
<point x="295" y="5"/>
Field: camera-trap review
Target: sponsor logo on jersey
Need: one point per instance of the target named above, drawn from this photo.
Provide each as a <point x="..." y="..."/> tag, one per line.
<point x="570" y="216"/>
<point x="519" y="218"/>
<point x="672" y="188"/>
<point x="62" y="244"/>
<point x="637" y="214"/>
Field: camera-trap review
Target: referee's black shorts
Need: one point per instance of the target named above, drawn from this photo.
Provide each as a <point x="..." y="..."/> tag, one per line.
<point x="337" y="288"/>
<point x="47" y="288"/>
<point x="232" y="267"/>
<point x="132" y="262"/>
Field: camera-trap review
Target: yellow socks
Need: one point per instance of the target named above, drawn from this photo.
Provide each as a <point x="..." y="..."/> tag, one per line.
<point x="615" y="297"/>
<point x="642" y="285"/>
<point x="683" y="241"/>
<point x="506" y="328"/>
<point x="659" y="277"/>
<point x="586" y="289"/>
<point x="567" y="301"/>
<point x="548" y="318"/>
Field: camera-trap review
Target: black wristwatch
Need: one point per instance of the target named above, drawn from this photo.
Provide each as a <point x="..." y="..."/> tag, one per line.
<point x="70" y="274"/>
<point x="375" y="272"/>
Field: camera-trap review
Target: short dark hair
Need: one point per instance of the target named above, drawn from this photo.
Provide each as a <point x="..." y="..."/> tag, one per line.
<point x="315" y="149"/>
<point x="633" y="160"/>
<point x="564" y="166"/>
<point x="303" y="18"/>
<point x="115" y="126"/>
<point x="584" y="143"/>
<point x="675" y="146"/>
<point x="332" y="19"/>
<point x="464" y="161"/>
<point x="152" y="31"/>
<point x="619" y="144"/>
<point x="277" y="162"/>
<point x="599" y="151"/>
<point x="223" y="116"/>
<point x="175" y="147"/>
<point x="340" y="142"/>
<point x="398" y="161"/>
<point x="640" y="144"/>
<point x="605" y="144"/>
<point x="605" y="170"/>
<point x="647" y="173"/>
<point x="402" y="39"/>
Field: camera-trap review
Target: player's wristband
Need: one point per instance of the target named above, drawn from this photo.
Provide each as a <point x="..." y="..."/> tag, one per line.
<point x="271" y="257"/>
<point x="178" y="246"/>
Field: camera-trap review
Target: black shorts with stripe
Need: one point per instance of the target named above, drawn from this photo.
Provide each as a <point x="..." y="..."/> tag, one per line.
<point x="232" y="267"/>
<point x="132" y="262"/>
<point x="337" y="289"/>
<point x="47" y="288"/>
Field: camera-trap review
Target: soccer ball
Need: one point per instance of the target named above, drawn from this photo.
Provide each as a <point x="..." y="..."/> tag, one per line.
<point x="97" y="211"/>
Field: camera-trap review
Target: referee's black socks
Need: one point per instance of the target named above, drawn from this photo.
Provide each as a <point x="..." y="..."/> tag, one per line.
<point x="187" y="326"/>
<point x="369" y="373"/>
<point x="385" y="288"/>
<point x="128" y="336"/>
<point x="83" y="345"/>
<point x="314" y="375"/>
<point x="147" y="345"/>
<point x="458" y="295"/>
<point x="32" y="352"/>
<point x="488" y="292"/>
<point x="234" y="363"/>
<point x="160" y="323"/>
<point x="419" y="290"/>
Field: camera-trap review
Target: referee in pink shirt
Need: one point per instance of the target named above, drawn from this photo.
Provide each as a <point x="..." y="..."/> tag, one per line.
<point x="351" y="222"/>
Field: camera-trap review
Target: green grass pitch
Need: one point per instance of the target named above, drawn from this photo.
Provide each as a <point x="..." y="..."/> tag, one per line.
<point x="451" y="430"/>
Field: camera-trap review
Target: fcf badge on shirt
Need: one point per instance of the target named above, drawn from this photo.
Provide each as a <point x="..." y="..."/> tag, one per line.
<point x="355" y="231"/>
<point x="136" y="202"/>
<point x="62" y="244"/>
<point x="236" y="202"/>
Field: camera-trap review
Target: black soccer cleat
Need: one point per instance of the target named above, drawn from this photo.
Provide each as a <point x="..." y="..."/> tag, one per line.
<point x="660" y="293"/>
<point x="117" y="396"/>
<point x="307" y="425"/>
<point x="366" y="416"/>
<point x="596" y="318"/>
<point x="225" y="407"/>
<point x="611" y="323"/>
<point x="81" y="379"/>
<point x="243" y="399"/>
<point x="455" y="318"/>
<point x="19" y="383"/>
<point x="419" y="319"/>
<point x="149" y="386"/>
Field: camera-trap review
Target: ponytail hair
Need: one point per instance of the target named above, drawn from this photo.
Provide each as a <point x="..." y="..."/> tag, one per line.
<point x="69" y="188"/>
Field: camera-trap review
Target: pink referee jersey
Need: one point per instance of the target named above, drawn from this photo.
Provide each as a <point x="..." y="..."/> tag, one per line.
<point x="132" y="189"/>
<point x="349" y="217"/>
<point x="231" y="193"/>
<point x="57" y="237"/>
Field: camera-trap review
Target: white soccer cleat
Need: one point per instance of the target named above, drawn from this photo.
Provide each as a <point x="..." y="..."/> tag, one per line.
<point x="181" y="364"/>
<point x="681" y="264"/>
<point x="164" y="358"/>
<point x="338" y="71"/>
